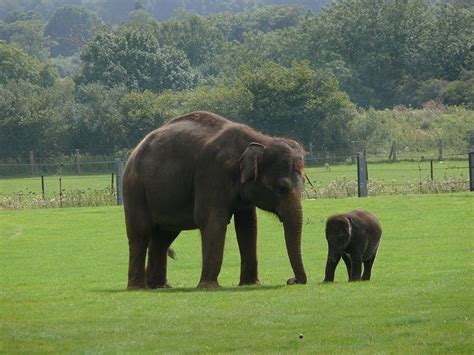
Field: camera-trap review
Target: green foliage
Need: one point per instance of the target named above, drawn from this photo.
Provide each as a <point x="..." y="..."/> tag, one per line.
<point x="384" y="43"/>
<point x="141" y="113"/>
<point x="194" y="35"/>
<point x="32" y="118"/>
<point x="414" y="130"/>
<point x="26" y="30"/>
<point x="133" y="57"/>
<point x="70" y="27"/>
<point x="15" y="64"/>
<point x="300" y="103"/>
<point x="98" y="125"/>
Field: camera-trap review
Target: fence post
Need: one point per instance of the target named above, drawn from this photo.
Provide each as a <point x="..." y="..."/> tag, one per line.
<point x="42" y="186"/>
<point x="440" y="149"/>
<point x="362" y="175"/>
<point x="471" y="170"/>
<point x="76" y="161"/>
<point x="60" y="192"/>
<point x="431" y="169"/>
<point x="32" y="162"/>
<point x="119" y="164"/>
<point x="393" y="152"/>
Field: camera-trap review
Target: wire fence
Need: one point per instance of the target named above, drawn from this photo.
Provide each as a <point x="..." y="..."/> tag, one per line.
<point x="88" y="182"/>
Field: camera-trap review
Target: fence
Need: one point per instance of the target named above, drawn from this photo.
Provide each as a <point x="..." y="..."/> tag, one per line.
<point x="93" y="183"/>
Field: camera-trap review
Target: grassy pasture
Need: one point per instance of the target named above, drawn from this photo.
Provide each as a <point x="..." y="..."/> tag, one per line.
<point x="389" y="173"/>
<point x="63" y="274"/>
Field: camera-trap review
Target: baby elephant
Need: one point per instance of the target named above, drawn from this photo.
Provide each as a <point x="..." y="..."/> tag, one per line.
<point x="355" y="237"/>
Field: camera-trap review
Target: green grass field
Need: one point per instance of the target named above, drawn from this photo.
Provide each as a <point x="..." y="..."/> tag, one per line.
<point x="63" y="274"/>
<point x="389" y="173"/>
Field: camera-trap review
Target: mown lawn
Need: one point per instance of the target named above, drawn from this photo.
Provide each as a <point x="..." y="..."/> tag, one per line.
<point x="391" y="173"/>
<point x="63" y="277"/>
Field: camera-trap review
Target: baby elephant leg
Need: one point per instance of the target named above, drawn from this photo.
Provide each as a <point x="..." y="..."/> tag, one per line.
<point x="348" y="262"/>
<point x="331" y="268"/>
<point x="368" y="268"/>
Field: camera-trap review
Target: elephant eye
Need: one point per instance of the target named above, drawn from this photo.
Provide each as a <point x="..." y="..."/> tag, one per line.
<point x="282" y="189"/>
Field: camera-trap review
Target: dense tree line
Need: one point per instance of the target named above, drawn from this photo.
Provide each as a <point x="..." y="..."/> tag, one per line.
<point x="68" y="79"/>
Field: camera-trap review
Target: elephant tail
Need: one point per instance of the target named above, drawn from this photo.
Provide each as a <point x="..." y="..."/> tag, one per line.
<point x="172" y="254"/>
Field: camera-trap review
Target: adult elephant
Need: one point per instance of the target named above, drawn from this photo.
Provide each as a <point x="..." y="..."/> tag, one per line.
<point x="197" y="171"/>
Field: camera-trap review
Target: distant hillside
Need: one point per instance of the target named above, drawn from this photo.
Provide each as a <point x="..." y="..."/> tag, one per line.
<point x="116" y="11"/>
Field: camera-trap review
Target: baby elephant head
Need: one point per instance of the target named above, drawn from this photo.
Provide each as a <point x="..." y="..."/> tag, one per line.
<point x="338" y="235"/>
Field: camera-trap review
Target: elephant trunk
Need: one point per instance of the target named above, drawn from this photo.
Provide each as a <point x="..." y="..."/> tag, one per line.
<point x="292" y="218"/>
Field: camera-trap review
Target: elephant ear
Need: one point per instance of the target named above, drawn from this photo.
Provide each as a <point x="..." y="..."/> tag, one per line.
<point x="249" y="162"/>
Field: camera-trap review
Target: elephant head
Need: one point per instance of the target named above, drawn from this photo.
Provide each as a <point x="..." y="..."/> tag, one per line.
<point x="272" y="179"/>
<point x="338" y="235"/>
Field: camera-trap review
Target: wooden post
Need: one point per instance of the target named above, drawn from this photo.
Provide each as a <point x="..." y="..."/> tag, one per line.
<point x="112" y="184"/>
<point x="60" y="192"/>
<point x="393" y="152"/>
<point x="42" y="186"/>
<point x="431" y="169"/>
<point x="471" y="170"/>
<point x="440" y="149"/>
<point x="76" y="161"/>
<point x="119" y="164"/>
<point x="32" y="162"/>
<point x="362" y="190"/>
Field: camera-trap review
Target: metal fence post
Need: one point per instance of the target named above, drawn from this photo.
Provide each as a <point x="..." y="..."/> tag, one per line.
<point x="362" y="175"/>
<point x="119" y="165"/>
<point x="471" y="170"/>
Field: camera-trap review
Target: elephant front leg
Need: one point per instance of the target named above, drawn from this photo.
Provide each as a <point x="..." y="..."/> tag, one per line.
<point x="347" y="260"/>
<point x="246" y="229"/>
<point x="331" y="265"/>
<point x="212" y="238"/>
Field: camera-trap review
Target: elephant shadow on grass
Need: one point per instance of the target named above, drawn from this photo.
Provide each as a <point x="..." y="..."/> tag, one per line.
<point x="259" y="288"/>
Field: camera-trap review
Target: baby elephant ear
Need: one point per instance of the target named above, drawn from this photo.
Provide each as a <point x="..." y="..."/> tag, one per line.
<point x="249" y="162"/>
<point x="349" y="226"/>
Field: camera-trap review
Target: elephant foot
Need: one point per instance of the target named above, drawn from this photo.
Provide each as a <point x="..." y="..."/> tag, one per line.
<point x="208" y="284"/>
<point x="294" y="281"/>
<point x="249" y="283"/>
<point x="154" y="285"/>
<point x="134" y="287"/>
<point x="328" y="280"/>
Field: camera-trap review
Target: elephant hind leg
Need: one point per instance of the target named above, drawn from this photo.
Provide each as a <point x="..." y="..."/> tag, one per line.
<point x="368" y="269"/>
<point x="136" y="266"/>
<point x="157" y="257"/>
<point x="139" y="232"/>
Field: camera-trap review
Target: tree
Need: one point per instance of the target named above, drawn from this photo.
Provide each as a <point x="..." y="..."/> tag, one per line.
<point x="34" y="117"/>
<point x="15" y="64"/>
<point x="133" y="57"/>
<point x="71" y="27"/>
<point x="98" y="124"/>
<point x="192" y="34"/>
<point x="26" y="30"/>
<point x="142" y="113"/>
<point x="300" y="103"/>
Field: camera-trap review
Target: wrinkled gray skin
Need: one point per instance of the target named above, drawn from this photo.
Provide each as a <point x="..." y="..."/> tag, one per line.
<point x="196" y="172"/>
<point x="354" y="236"/>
